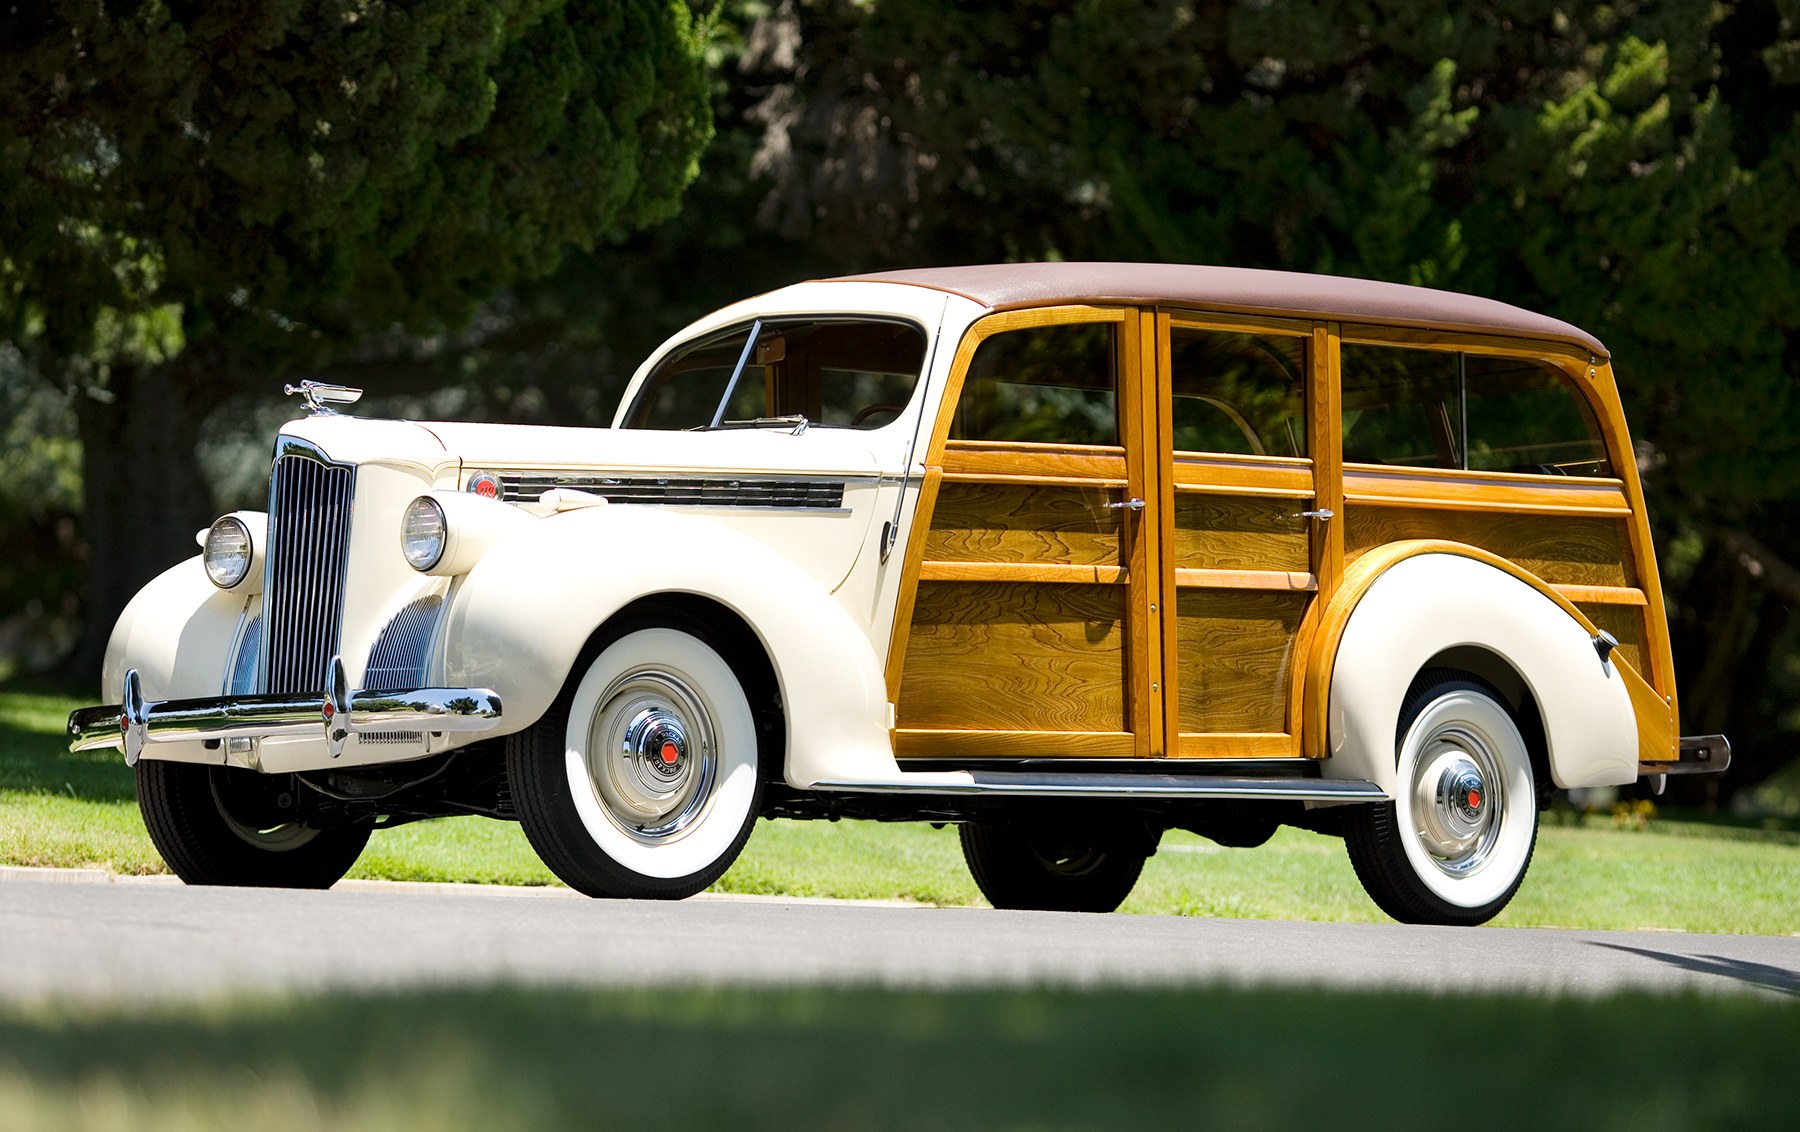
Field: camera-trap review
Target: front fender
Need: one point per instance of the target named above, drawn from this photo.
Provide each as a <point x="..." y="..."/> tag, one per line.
<point x="1418" y="606"/>
<point x="178" y="633"/>
<point x="519" y="619"/>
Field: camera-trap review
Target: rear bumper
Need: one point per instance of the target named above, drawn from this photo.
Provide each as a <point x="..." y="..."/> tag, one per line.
<point x="1700" y="754"/>
<point x="334" y="714"/>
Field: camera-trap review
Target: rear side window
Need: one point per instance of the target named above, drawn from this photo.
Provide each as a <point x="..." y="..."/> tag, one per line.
<point x="1237" y="392"/>
<point x="1525" y="416"/>
<point x="1442" y="409"/>
<point x="1044" y="384"/>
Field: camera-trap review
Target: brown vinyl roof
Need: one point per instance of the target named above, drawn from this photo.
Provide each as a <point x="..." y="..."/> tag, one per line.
<point x="1008" y="286"/>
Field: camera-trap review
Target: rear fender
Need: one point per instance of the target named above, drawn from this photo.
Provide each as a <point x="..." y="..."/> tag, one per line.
<point x="1422" y="605"/>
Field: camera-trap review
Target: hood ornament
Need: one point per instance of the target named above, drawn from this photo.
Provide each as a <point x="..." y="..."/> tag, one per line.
<point x="320" y="397"/>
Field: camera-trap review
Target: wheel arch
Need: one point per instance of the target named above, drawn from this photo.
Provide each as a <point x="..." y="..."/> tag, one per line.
<point x="1414" y="605"/>
<point x="520" y="619"/>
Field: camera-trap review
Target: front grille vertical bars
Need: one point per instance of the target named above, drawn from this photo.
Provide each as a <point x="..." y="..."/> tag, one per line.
<point x="310" y="500"/>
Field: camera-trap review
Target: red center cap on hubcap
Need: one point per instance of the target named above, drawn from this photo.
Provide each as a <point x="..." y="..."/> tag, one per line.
<point x="1474" y="799"/>
<point x="670" y="756"/>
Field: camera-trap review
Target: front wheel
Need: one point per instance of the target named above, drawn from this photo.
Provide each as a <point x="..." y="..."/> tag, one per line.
<point x="222" y="825"/>
<point x="1039" y="868"/>
<point x="1453" y="845"/>
<point x="642" y="780"/>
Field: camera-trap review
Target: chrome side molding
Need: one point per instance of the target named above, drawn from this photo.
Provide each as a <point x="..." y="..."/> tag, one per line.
<point x="335" y="714"/>
<point x="1171" y="786"/>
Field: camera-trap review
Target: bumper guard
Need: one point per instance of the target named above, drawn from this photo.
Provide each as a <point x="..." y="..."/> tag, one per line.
<point x="335" y="714"/>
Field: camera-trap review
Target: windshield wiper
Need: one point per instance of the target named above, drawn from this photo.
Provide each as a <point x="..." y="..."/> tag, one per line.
<point x="743" y="360"/>
<point x="797" y="422"/>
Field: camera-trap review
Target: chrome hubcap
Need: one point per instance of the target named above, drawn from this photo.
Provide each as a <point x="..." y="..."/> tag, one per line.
<point x="652" y="756"/>
<point x="1457" y="801"/>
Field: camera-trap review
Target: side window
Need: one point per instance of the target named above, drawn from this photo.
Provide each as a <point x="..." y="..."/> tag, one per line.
<point x="1049" y="384"/>
<point x="1442" y="409"/>
<point x="1524" y="416"/>
<point x="1401" y="406"/>
<point x="1239" y="393"/>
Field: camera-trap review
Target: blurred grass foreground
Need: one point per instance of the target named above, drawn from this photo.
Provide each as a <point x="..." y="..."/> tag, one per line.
<point x="557" y="1058"/>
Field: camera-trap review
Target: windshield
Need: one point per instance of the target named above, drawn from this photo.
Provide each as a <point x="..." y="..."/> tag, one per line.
<point x="834" y="372"/>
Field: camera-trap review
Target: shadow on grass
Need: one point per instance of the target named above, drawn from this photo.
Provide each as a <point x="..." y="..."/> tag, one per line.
<point x="34" y="762"/>
<point x="863" y="1058"/>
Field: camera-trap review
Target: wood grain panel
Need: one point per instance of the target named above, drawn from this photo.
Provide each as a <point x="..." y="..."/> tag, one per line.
<point x="1245" y="475"/>
<point x="1564" y="549"/>
<point x="1493" y="491"/>
<point x="1234" y="650"/>
<point x="993" y="460"/>
<point x="1626" y="622"/>
<point x="918" y="744"/>
<point x="995" y="656"/>
<point x="1222" y="532"/>
<point x="1023" y="572"/>
<point x="1010" y="523"/>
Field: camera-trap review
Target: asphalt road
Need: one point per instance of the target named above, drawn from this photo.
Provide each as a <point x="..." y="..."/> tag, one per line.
<point x="158" y="941"/>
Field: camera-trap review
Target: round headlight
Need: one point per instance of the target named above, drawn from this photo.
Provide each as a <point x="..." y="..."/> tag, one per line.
<point x="422" y="533"/>
<point x="228" y="552"/>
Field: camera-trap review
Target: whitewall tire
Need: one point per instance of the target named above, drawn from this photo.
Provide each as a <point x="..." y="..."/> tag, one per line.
<point x="643" y="780"/>
<point x="1454" y="844"/>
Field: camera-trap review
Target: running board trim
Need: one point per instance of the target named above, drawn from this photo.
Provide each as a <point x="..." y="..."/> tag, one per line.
<point x="1171" y="786"/>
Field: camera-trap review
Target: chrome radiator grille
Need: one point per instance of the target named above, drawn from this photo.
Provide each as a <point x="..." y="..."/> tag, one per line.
<point x="308" y="553"/>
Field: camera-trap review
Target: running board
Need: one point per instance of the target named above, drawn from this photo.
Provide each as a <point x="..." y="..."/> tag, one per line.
<point x="997" y="783"/>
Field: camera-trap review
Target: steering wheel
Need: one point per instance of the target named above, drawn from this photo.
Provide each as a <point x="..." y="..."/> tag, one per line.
<point x="868" y="411"/>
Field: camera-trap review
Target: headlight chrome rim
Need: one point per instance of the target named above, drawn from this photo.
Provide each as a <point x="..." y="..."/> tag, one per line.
<point x="424" y="533"/>
<point x="228" y="552"/>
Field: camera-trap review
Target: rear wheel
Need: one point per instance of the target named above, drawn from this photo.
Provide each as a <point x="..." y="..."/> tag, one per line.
<point x="1453" y="845"/>
<point x="642" y="780"/>
<point x="1032" y="867"/>
<point x="222" y="825"/>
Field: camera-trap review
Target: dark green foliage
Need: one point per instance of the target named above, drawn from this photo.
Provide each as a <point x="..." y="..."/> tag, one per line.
<point x="295" y="176"/>
<point x="197" y="197"/>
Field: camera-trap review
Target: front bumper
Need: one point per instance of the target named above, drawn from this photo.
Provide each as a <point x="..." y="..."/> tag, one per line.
<point x="335" y="714"/>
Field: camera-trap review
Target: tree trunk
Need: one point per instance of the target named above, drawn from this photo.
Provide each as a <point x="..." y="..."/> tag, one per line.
<point x="143" y="495"/>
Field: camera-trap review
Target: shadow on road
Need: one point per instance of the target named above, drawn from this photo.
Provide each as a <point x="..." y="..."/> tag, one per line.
<point x="1780" y="979"/>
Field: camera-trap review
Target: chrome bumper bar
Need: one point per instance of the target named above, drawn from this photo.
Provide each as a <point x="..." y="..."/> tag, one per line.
<point x="1700" y="754"/>
<point x="334" y="715"/>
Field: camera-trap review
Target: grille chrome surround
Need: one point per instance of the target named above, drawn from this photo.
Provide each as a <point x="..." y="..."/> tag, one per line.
<point x="310" y="503"/>
<point x="781" y="494"/>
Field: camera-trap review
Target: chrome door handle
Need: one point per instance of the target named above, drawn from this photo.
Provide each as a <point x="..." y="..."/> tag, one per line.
<point x="1126" y="505"/>
<point x="1321" y="514"/>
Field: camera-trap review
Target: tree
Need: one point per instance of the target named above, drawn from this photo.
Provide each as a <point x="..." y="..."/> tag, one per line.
<point x="198" y="197"/>
<point x="1633" y="168"/>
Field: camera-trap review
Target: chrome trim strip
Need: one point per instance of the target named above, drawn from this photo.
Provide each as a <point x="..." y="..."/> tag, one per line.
<point x="774" y="493"/>
<point x="1186" y="786"/>
<point x="137" y="723"/>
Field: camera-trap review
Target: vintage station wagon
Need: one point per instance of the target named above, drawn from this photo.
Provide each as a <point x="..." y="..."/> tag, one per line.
<point x="1068" y="555"/>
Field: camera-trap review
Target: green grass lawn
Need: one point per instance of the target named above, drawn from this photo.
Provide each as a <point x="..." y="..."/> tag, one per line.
<point x="1170" y="1058"/>
<point x="71" y="810"/>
